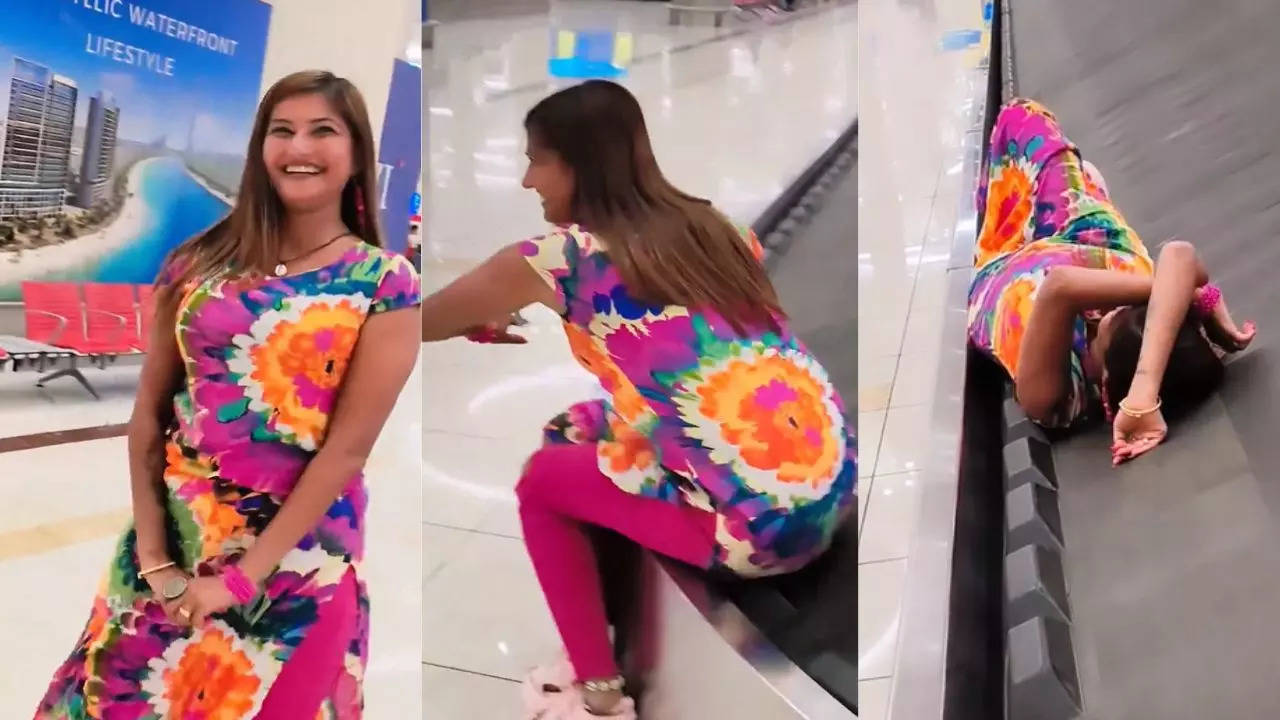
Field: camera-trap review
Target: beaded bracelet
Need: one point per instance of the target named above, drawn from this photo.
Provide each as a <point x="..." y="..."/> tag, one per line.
<point x="239" y="584"/>
<point x="1206" y="300"/>
<point x="484" y="335"/>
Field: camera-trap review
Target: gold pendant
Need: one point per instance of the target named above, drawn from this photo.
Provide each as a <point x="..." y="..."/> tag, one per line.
<point x="281" y="270"/>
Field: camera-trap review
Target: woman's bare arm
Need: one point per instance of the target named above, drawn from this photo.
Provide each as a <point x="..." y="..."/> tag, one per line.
<point x="500" y="286"/>
<point x="383" y="358"/>
<point x="1178" y="273"/>
<point x="1065" y="293"/>
<point x="162" y="374"/>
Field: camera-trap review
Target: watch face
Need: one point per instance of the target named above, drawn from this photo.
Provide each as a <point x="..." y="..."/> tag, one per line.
<point x="174" y="587"/>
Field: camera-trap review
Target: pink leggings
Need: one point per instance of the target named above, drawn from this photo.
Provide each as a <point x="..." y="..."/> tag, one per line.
<point x="310" y="675"/>
<point x="563" y="493"/>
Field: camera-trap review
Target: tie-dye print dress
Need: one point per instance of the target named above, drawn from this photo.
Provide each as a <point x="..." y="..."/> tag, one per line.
<point x="265" y="359"/>
<point x="745" y="425"/>
<point x="1040" y="208"/>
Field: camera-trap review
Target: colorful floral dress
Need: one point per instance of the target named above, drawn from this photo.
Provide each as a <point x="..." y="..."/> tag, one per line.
<point x="1040" y="209"/>
<point x="745" y="425"/>
<point x="265" y="359"/>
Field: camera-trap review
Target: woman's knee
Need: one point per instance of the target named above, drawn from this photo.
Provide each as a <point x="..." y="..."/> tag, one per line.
<point x="533" y="476"/>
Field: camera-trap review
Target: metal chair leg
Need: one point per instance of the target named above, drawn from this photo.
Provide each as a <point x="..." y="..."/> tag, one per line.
<point x="71" y="372"/>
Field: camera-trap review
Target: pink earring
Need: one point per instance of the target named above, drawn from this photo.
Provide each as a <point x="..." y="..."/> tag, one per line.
<point x="360" y="207"/>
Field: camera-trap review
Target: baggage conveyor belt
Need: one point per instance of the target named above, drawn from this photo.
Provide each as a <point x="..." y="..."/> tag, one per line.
<point x="782" y="647"/>
<point x="1172" y="562"/>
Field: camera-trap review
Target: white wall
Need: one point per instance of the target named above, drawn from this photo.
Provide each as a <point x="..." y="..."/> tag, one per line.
<point x="357" y="39"/>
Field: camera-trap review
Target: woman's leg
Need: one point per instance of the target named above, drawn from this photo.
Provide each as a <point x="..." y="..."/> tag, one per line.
<point x="1073" y="205"/>
<point x="1025" y="137"/>
<point x="561" y="493"/>
<point x="310" y="674"/>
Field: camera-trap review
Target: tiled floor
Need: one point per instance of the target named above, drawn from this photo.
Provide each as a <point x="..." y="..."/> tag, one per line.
<point x="788" y="89"/>
<point x="65" y="505"/>
<point x="912" y="102"/>
<point x="63" y="404"/>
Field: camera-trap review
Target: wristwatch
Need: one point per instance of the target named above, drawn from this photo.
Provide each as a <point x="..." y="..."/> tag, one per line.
<point x="174" y="587"/>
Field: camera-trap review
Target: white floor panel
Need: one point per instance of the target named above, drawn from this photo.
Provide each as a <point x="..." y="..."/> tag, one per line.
<point x="733" y="117"/>
<point x="914" y="103"/>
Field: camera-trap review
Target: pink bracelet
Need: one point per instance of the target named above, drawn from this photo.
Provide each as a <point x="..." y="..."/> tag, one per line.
<point x="239" y="584"/>
<point x="1207" y="300"/>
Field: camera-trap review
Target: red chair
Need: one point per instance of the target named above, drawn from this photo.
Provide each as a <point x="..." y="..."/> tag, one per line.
<point x="146" y="314"/>
<point x="55" y="316"/>
<point x="111" y="319"/>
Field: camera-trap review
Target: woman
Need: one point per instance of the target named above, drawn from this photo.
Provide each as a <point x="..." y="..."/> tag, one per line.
<point x="277" y="356"/>
<point x="722" y="444"/>
<point x="1069" y="302"/>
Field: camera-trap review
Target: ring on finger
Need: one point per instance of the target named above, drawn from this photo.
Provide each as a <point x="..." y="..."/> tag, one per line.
<point x="185" y="613"/>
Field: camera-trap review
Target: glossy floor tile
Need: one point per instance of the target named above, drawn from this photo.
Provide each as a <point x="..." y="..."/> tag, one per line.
<point x="448" y="693"/>
<point x="772" y="97"/>
<point x="913" y="100"/>
<point x="63" y="404"/>
<point x="484" y="610"/>
<point x="66" y="505"/>
<point x="873" y="699"/>
<point x="891" y="507"/>
<point x="879" y="604"/>
<point x="870" y="431"/>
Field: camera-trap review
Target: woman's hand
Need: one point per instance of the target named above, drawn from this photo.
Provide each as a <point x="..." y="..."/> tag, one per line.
<point x="495" y="333"/>
<point x="206" y="596"/>
<point x="172" y="608"/>
<point x="1131" y="436"/>
<point x="1222" y="331"/>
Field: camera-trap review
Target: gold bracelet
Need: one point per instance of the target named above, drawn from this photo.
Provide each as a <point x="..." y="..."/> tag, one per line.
<point x="157" y="568"/>
<point x="613" y="684"/>
<point x="1124" y="408"/>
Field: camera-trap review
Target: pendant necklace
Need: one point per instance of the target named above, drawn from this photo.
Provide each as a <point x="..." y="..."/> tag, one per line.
<point x="282" y="268"/>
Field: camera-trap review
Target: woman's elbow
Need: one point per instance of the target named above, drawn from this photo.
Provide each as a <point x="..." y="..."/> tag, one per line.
<point x="1177" y="251"/>
<point x="142" y="428"/>
<point x="1037" y="404"/>
<point x="344" y="464"/>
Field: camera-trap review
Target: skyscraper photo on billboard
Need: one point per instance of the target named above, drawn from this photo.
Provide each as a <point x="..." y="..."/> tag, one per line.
<point x="123" y="129"/>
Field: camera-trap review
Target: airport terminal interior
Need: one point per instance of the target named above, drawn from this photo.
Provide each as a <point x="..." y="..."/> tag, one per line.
<point x="992" y="570"/>
<point x="736" y="114"/>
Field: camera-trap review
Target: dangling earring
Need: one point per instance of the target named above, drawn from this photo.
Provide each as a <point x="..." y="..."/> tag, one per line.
<point x="1106" y="402"/>
<point x="360" y="207"/>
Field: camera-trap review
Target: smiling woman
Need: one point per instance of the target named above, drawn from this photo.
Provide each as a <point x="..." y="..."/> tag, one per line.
<point x="284" y="336"/>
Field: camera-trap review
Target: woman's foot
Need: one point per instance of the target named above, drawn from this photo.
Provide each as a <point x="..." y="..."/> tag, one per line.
<point x="573" y="704"/>
<point x="604" y="703"/>
<point x="545" y="685"/>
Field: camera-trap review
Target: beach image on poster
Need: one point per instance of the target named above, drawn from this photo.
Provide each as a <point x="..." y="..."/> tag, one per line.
<point x="123" y="129"/>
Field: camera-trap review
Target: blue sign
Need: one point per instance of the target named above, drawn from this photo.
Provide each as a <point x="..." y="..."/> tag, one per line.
<point x="960" y="39"/>
<point x="578" y="54"/>
<point x="415" y="203"/>
<point x="399" y="153"/>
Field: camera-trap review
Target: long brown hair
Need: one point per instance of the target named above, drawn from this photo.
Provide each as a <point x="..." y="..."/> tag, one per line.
<point x="669" y="247"/>
<point x="1193" y="372"/>
<point x="248" y="238"/>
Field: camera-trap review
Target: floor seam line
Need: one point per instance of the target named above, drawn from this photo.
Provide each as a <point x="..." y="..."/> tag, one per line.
<point x="471" y="530"/>
<point x="491" y="676"/>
